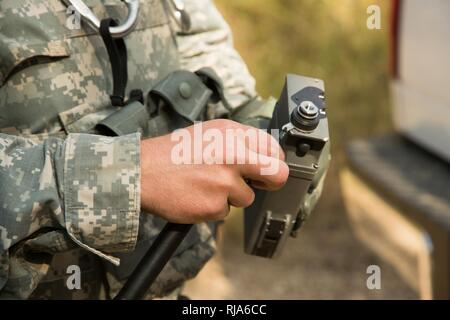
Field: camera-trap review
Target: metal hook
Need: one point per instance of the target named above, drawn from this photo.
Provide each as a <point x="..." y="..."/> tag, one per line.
<point x="117" y="32"/>
<point x="180" y="15"/>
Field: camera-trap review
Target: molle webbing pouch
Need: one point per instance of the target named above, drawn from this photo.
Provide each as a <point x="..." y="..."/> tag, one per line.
<point x="131" y="118"/>
<point x="184" y="92"/>
<point x="181" y="98"/>
<point x="175" y="102"/>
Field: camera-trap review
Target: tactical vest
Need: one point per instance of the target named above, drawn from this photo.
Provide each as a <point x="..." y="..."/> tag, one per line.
<point x="55" y="81"/>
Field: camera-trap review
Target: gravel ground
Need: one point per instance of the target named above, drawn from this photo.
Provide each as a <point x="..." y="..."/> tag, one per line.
<point x="326" y="261"/>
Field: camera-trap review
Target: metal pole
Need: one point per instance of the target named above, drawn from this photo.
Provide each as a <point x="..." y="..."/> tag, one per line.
<point x="154" y="261"/>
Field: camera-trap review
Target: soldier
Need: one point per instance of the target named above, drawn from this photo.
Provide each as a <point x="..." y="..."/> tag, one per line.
<point x="70" y="196"/>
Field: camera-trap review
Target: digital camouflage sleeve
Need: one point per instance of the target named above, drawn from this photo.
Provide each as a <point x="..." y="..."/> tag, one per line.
<point x="86" y="185"/>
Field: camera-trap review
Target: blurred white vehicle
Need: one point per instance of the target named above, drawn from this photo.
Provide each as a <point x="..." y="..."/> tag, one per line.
<point x="397" y="187"/>
<point x="421" y="66"/>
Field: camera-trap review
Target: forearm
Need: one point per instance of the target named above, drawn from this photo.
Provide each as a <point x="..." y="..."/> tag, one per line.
<point x="86" y="184"/>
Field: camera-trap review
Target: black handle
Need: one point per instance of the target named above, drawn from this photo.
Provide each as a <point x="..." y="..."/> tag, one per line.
<point x="154" y="261"/>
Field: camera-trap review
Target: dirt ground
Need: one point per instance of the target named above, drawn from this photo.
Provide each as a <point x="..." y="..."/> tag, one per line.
<point x="326" y="261"/>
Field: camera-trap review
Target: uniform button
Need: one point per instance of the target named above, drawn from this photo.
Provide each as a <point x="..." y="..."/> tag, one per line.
<point x="185" y="90"/>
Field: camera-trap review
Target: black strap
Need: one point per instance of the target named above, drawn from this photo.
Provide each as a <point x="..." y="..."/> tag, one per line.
<point x="117" y="52"/>
<point x="136" y="95"/>
<point x="210" y="78"/>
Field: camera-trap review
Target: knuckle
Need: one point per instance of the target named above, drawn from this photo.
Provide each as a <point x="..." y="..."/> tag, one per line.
<point x="225" y="180"/>
<point x="223" y="214"/>
<point x="215" y="210"/>
<point x="250" y="197"/>
<point x="224" y="123"/>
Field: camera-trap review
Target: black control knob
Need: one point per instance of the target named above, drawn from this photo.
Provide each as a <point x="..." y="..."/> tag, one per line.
<point x="306" y="116"/>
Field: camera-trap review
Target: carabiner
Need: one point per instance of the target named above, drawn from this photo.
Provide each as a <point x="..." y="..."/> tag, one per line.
<point x="179" y="14"/>
<point x="117" y="32"/>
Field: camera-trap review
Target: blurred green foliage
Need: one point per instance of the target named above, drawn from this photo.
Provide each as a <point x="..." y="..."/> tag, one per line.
<point x="327" y="39"/>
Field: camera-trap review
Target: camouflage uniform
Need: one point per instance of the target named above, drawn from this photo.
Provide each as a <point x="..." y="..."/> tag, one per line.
<point x="68" y="196"/>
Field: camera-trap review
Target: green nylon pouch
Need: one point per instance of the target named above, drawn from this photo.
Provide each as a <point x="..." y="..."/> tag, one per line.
<point x="131" y="118"/>
<point x="184" y="92"/>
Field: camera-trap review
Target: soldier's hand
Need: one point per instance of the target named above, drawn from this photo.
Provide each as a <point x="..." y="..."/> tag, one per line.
<point x="191" y="177"/>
